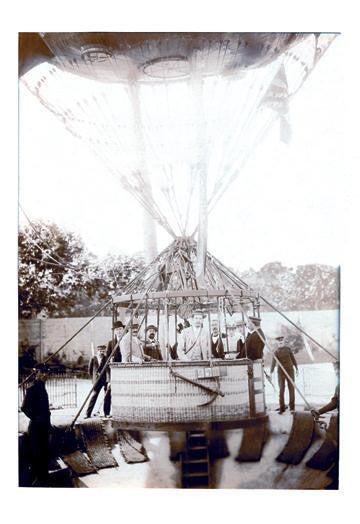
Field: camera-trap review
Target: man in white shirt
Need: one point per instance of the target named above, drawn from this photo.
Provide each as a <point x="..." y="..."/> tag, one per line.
<point x="131" y="347"/>
<point x="194" y="343"/>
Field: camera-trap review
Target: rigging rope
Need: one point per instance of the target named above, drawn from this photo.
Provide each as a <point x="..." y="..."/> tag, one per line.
<point x="237" y="280"/>
<point x="129" y="323"/>
<point x="277" y="360"/>
<point x="87" y="323"/>
<point x="57" y="261"/>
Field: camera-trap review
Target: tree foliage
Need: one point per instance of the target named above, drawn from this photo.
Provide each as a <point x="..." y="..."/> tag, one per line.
<point x="306" y="287"/>
<point x="58" y="276"/>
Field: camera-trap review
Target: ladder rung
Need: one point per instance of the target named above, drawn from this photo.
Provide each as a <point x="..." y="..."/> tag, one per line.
<point x="195" y="461"/>
<point x="196" y="474"/>
<point x="197" y="447"/>
<point x="197" y="487"/>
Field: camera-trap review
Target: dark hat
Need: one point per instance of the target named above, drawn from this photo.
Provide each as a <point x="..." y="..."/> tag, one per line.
<point x="151" y="326"/>
<point x="256" y="320"/>
<point x="118" y="324"/>
<point x="280" y="337"/>
<point x="135" y="325"/>
<point x="101" y="346"/>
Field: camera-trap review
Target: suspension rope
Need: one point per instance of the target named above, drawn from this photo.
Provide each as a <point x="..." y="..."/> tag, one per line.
<point x="300" y="329"/>
<point x="277" y="360"/>
<point x="67" y="342"/>
<point x="166" y="314"/>
<point x="237" y="280"/>
<point x="175" y="320"/>
<point x="58" y="260"/>
<point x="210" y="338"/>
<point x="104" y="368"/>
<point x="110" y="356"/>
<point x="87" y="323"/>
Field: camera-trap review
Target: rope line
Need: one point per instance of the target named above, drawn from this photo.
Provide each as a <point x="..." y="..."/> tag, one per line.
<point x="133" y="312"/>
<point x="237" y="280"/>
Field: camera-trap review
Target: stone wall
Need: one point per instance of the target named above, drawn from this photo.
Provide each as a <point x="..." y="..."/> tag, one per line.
<point x="50" y="334"/>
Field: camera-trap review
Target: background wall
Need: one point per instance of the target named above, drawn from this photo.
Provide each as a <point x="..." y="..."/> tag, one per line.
<point x="49" y="334"/>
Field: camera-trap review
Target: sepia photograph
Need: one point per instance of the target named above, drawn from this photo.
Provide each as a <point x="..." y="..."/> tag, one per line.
<point x="178" y="269"/>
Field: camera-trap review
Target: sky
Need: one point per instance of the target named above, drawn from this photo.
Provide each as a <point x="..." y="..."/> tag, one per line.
<point x="284" y="206"/>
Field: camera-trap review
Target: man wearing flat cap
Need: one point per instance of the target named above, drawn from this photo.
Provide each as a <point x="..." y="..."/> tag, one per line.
<point x="101" y="379"/>
<point x="118" y="331"/>
<point x="36" y="408"/>
<point x="152" y="346"/>
<point x="287" y="360"/>
<point x="194" y="343"/>
<point x="253" y="346"/>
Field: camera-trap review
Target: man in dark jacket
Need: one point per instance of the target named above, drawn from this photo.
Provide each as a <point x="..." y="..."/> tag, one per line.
<point x="253" y="347"/>
<point x="36" y="408"/>
<point x="151" y="345"/>
<point x="217" y="345"/>
<point x="286" y="358"/>
<point x="118" y="332"/>
<point x="96" y="366"/>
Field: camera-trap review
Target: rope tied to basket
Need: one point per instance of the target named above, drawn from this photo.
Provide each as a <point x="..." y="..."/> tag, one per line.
<point x="214" y="392"/>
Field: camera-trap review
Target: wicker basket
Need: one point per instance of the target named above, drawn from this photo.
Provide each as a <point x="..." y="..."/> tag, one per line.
<point x="150" y="393"/>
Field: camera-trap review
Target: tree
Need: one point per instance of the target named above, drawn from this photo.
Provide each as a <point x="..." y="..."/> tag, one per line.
<point x="109" y="276"/>
<point x="308" y="287"/>
<point x="60" y="277"/>
<point x="52" y="268"/>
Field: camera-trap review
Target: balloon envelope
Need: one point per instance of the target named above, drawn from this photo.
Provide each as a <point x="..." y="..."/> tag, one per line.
<point x="172" y="116"/>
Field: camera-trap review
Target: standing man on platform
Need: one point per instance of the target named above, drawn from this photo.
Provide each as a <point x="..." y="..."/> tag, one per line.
<point x="253" y="347"/>
<point x="217" y="345"/>
<point x="118" y="331"/>
<point x="151" y="345"/>
<point x="36" y="408"/>
<point x="96" y="366"/>
<point x="131" y="346"/>
<point x="241" y="331"/>
<point x="194" y="343"/>
<point x="286" y="358"/>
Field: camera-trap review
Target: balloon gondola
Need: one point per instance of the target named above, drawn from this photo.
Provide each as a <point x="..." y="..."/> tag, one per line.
<point x="180" y="391"/>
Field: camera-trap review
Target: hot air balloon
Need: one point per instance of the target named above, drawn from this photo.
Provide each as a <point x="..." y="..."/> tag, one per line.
<point x="174" y="117"/>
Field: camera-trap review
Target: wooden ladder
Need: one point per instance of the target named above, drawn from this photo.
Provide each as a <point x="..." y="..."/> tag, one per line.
<point x="195" y="461"/>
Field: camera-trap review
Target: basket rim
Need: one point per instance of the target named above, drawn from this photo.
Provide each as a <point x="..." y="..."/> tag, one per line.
<point x="186" y="363"/>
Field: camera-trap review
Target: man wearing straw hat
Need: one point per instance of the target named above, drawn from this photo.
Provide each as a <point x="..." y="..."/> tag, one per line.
<point x="194" y="343"/>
